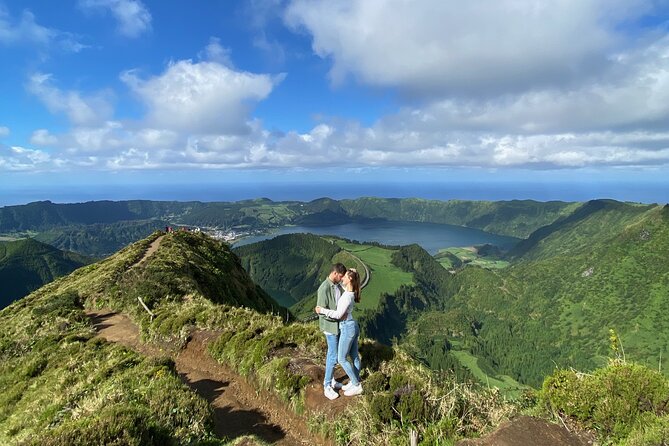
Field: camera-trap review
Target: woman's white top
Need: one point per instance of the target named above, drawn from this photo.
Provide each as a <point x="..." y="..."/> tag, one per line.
<point x="344" y="307"/>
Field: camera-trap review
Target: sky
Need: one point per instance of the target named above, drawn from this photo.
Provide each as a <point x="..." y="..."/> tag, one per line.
<point x="99" y="96"/>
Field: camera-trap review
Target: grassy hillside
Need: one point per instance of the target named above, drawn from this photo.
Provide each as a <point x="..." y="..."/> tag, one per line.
<point x="289" y="267"/>
<point x="62" y="386"/>
<point x="43" y="215"/>
<point x="259" y="213"/>
<point x="517" y="218"/>
<point x="26" y="265"/>
<point x="99" y="240"/>
<point x="602" y="269"/>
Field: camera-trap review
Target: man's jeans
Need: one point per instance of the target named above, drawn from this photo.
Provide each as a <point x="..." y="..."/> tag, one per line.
<point x="349" y="331"/>
<point x="331" y="358"/>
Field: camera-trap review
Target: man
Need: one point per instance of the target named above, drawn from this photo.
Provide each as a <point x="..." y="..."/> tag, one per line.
<point x="328" y="293"/>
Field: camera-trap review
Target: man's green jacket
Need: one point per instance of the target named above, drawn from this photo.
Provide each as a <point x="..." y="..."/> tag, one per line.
<point x="327" y="298"/>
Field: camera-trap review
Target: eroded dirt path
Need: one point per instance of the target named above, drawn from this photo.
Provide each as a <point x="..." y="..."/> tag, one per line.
<point x="153" y="247"/>
<point x="238" y="408"/>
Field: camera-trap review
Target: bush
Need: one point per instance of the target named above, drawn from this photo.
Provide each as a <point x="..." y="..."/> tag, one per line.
<point x="121" y="424"/>
<point x="612" y="400"/>
<point x="651" y="430"/>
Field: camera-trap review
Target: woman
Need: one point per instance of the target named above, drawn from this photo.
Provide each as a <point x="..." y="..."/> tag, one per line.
<point x="349" y="331"/>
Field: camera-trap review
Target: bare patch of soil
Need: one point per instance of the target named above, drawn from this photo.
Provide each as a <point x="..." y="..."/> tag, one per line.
<point x="526" y="431"/>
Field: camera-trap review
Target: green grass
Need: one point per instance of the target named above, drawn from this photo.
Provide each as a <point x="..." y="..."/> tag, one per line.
<point x="468" y="256"/>
<point x="509" y="386"/>
<point x="62" y="386"/>
<point x="386" y="277"/>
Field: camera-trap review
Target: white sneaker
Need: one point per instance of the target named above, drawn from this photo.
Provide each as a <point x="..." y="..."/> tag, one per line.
<point x="330" y="393"/>
<point x="336" y="384"/>
<point x="347" y="386"/>
<point x="353" y="390"/>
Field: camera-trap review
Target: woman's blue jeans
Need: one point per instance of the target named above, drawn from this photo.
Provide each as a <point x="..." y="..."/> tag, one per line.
<point x="349" y="331"/>
<point x="331" y="358"/>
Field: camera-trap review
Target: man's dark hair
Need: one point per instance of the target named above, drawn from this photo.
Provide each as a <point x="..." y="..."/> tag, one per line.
<point x="339" y="268"/>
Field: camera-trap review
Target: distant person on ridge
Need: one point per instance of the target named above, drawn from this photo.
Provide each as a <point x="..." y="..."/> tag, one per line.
<point x="328" y="294"/>
<point x="349" y="331"/>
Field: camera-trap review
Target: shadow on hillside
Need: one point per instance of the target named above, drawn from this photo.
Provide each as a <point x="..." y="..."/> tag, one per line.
<point x="230" y="422"/>
<point x="374" y="353"/>
<point x="99" y="321"/>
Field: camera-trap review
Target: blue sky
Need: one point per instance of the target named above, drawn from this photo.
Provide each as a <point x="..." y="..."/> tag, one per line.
<point x="102" y="93"/>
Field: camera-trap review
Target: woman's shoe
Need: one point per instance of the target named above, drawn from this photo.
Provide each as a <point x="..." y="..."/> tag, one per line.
<point x="353" y="390"/>
<point x="345" y="387"/>
<point x="330" y="393"/>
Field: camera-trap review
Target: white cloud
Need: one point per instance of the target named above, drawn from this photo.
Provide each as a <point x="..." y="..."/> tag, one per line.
<point x="474" y="48"/>
<point x="17" y="158"/>
<point x="215" y="52"/>
<point x="637" y="99"/>
<point x="613" y="112"/>
<point x="26" y="30"/>
<point x="204" y="97"/>
<point x="4" y="131"/>
<point x="132" y="16"/>
<point x="42" y="137"/>
<point x="117" y="146"/>
<point x="80" y="109"/>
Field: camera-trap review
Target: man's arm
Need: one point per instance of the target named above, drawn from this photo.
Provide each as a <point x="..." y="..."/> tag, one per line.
<point x="322" y="298"/>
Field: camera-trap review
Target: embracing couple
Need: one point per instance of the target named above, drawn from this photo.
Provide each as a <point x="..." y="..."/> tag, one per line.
<point x="336" y="297"/>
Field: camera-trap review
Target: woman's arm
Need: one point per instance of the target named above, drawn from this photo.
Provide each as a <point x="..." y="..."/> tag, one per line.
<point x="342" y="307"/>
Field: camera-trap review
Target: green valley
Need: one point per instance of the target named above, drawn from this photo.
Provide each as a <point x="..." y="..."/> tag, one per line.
<point x="291" y="267"/>
<point x="27" y="264"/>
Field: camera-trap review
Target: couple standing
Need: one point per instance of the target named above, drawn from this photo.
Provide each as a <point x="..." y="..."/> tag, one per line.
<point x="336" y="297"/>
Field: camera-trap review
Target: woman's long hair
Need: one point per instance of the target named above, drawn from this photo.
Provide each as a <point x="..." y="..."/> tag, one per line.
<point x="355" y="282"/>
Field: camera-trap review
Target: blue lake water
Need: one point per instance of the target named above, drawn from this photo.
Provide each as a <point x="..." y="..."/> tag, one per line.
<point x="430" y="236"/>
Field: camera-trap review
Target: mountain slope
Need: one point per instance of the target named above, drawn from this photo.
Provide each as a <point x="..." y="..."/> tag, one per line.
<point x="42" y="215"/>
<point x="595" y="221"/>
<point x="289" y="267"/>
<point x="99" y="240"/>
<point x="26" y="265"/>
<point x="63" y="385"/>
<point x="604" y="269"/>
<point x="517" y="218"/>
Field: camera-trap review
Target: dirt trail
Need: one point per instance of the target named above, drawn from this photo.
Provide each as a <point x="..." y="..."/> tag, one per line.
<point x="238" y="408"/>
<point x="153" y="247"/>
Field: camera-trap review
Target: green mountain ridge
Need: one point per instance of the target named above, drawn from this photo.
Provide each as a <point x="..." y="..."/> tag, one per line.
<point x="515" y="218"/>
<point x="26" y="265"/>
<point x="100" y="239"/>
<point x="603" y="269"/>
<point x="61" y="384"/>
<point x="289" y="267"/>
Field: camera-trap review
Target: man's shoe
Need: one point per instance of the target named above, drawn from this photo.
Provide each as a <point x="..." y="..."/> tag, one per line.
<point x="353" y="390"/>
<point x="330" y="393"/>
<point x="336" y="384"/>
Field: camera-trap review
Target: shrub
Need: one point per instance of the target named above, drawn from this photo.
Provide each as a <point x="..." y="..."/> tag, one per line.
<point x="612" y="400"/>
<point x="121" y="424"/>
<point x="651" y="430"/>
